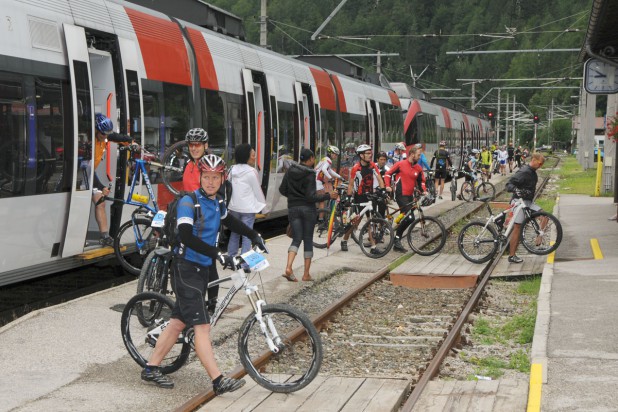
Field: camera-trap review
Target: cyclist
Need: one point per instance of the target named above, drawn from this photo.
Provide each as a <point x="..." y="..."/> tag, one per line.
<point x="103" y="132"/>
<point x="422" y="160"/>
<point x="486" y="159"/>
<point x="511" y="155"/>
<point x="443" y="162"/>
<point x="523" y="185"/>
<point x="197" y="140"/>
<point x="503" y="155"/>
<point x="381" y="163"/>
<point x="411" y="173"/>
<point x="195" y="257"/>
<point x="324" y="174"/>
<point x="397" y="154"/>
<point x="364" y="178"/>
<point x="518" y="153"/>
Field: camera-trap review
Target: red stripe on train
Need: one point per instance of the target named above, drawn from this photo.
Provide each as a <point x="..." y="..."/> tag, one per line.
<point x="163" y="49"/>
<point x="394" y="98"/>
<point x="342" y="106"/>
<point x="205" y="64"/>
<point x="325" y="89"/>
<point x="447" y="118"/>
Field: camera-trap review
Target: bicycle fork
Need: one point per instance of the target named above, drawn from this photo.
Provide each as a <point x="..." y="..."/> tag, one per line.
<point x="273" y="340"/>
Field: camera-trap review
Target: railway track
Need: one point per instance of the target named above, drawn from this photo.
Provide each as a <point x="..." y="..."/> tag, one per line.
<point x="380" y="330"/>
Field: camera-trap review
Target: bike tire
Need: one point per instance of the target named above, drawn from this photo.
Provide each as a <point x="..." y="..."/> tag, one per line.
<point x="467" y="191"/>
<point x="426" y="236"/>
<point x="296" y="364"/>
<point x="477" y="243"/>
<point x="383" y="235"/>
<point x="172" y="178"/>
<point x="136" y="337"/>
<point x="453" y="188"/>
<point x="154" y="274"/>
<point x="530" y="232"/>
<point x="486" y="189"/>
<point x="320" y="230"/>
<point x="132" y="258"/>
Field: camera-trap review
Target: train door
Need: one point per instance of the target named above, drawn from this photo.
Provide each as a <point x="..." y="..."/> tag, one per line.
<point x="259" y="121"/>
<point x="305" y="116"/>
<point x="373" y="126"/>
<point x="83" y="114"/>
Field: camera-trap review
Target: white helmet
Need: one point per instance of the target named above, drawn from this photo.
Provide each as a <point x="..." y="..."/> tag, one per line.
<point x="400" y="146"/>
<point x="332" y="149"/>
<point x="475" y="151"/>
<point x="363" y="148"/>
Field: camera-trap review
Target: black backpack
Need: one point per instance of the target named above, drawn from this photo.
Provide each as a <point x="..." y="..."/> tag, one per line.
<point x="170" y="225"/>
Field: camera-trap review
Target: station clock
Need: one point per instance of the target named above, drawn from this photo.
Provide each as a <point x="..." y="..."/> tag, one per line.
<point x="600" y="77"/>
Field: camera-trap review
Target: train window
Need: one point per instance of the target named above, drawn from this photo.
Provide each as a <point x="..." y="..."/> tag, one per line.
<point x="84" y="124"/>
<point x="178" y="113"/>
<point x="50" y="176"/>
<point x="135" y="112"/>
<point x="235" y="121"/>
<point x="152" y="93"/>
<point x="214" y="120"/>
<point x="287" y="139"/>
<point x="13" y="132"/>
<point x="328" y="133"/>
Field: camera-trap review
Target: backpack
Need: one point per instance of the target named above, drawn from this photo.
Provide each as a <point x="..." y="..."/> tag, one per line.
<point x="441" y="157"/>
<point x="170" y="225"/>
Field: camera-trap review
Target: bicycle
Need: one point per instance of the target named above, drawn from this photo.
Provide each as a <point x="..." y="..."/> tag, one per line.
<point x="453" y="186"/>
<point x="430" y="184"/>
<point x="541" y="232"/>
<point x="472" y="190"/>
<point x="320" y="232"/>
<point x="136" y="238"/>
<point x="276" y="331"/>
<point x="424" y="230"/>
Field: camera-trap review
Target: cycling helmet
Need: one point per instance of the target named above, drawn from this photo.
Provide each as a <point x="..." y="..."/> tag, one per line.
<point x="281" y="147"/>
<point x="442" y="142"/>
<point x="418" y="146"/>
<point x="363" y="148"/>
<point x="211" y="163"/>
<point x="103" y="124"/>
<point x="475" y="151"/>
<point x="400" y="146"/>
<point x="333" y="149"/>
<point x="197" y="135"/>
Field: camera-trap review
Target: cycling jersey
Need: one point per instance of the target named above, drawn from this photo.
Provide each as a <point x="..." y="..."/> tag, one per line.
<point x="191" y="177"/>
<point x="207" y="226"/>
<point x="423" y="162"/>
<point x="409" y="175"/>
<point x="365" y="178"/>
<point x="486" y="157"/>
<point x="324" y="171"/>
<point x="442" y="159"/>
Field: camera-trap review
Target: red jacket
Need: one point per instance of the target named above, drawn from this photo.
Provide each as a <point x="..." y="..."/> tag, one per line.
<point x="409" y="174"/>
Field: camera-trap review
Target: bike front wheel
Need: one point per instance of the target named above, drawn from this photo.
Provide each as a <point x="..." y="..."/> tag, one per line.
<point x="143" y="319"/>
<point x="320" y="230"/>
<point x="453" y="189"/>
<point x="477" y="242"/>
<point x="299" y="349"/>
<point x="376" y="237"/>
<point x="467" y="191"/>
<point x="541" y="233"/>
<point x="134" y="241"/>
<point x="486" y="190"/>
<point x="426" y="236"/>
<point x="154" y="274"/>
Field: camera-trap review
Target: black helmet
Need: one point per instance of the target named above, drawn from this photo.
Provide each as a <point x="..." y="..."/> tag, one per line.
<point x="197" y="135"/>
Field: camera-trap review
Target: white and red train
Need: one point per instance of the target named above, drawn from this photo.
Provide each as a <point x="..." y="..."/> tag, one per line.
<point x="61" y="61"/>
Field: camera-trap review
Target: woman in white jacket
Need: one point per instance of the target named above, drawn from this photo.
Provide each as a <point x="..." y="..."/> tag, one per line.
<point x="247" y="196"/>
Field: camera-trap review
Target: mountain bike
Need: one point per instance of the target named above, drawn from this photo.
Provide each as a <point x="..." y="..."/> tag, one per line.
<point x="473" y="190"/>
<point x="541" y="232"/>
<point x="320" y="231"/>
<point x="430" y="184"/>
<point x="426" y="235"/>
<point x="278" y="345"/>
<point x="453" y="186"/>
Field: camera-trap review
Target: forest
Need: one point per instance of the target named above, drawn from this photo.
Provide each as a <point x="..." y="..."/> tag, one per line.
<point x="423" y="31"/>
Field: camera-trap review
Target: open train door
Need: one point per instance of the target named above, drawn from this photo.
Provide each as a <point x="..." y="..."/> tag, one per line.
<point x="304" y="119"/>
<point x="254" y="99"/>
<point x="373" y="126"/>
<point x="83" y="141"/>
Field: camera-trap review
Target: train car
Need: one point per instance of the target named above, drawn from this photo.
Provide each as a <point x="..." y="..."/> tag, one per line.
<point x="430" y="121"/>
<point x="155" y="76"/>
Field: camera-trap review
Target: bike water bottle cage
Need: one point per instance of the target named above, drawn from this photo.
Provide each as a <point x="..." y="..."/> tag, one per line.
<point x="197" y="135"/>
<point x="103" y="124"/>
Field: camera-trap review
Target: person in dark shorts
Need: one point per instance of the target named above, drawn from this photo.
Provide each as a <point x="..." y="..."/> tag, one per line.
<point x="511" y="156"/>
<point x="442" y="158"/>
<point x="194" y="259"/>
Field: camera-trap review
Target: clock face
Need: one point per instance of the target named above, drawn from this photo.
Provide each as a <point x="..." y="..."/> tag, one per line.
<point x="600" y="77"/>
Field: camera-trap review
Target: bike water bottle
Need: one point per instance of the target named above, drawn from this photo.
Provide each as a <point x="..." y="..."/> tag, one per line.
<point x="140" y="198"/>
<point x="399" y="217"/>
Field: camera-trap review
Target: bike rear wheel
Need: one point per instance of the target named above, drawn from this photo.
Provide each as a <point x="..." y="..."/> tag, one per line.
<point x="454" y="188"/>
<point x="426" y="236"/>
<point x="486" y="189"/>
<point x="381" y="233"/>
<point x="134" y="241"/>
<point x="541" y="233"/>
<point x="320" y="230"/>
<point x="154" y="274"/>
<point x="299" y="355"/>
<point x="477" y="243"/>
<point x="153" y="310"/>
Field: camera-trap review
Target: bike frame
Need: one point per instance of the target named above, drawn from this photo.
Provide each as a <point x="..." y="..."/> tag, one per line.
<point x="514" y="209"/>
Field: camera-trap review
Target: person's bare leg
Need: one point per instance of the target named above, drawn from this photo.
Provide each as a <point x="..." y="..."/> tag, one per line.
<point x="288" y="268"/>
<point x="203" y="349"/>
<point x="166" y="341"/>
<point x="306" y="274"/>
<point x="514" y="239"/>
<point x="99" y="213"/>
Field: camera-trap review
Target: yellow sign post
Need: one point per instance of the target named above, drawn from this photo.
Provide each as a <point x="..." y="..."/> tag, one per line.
<point x="597" y="186"/>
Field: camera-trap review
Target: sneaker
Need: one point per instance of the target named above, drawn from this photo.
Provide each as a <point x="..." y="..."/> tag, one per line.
<point x="374" y="251"/>
<point x="107" y="241"/>
<point x="398" y="246"/>
<point x="344" y="246"/>
<point x="154" y="374"/>
<point x="367" y="244"/>
<point x="515" y="259"/>
<point x="440" y="197"/>
<point x="228" y="385"/>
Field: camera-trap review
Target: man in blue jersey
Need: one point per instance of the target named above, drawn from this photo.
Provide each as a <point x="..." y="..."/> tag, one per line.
<point x="198" y="226"/>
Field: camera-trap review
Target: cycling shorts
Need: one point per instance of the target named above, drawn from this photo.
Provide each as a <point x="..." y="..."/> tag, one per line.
<point x="519" y="219"/>
<point x="486" y="166"/>
<point x="190" y="282"/>
<point x="440" y="174"/>
<point x="510" y="159"/>
<point x="502" y="162"/>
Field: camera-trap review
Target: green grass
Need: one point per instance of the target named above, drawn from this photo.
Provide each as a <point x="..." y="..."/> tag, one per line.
<point x="530" y="286"/>
<point x="575" y="180"/>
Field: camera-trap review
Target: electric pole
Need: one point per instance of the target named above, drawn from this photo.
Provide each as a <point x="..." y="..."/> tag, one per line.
<point x="263" y="31"/>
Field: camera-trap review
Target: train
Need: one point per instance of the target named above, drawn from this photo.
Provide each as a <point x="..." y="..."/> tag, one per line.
<point x="156" y="76"/>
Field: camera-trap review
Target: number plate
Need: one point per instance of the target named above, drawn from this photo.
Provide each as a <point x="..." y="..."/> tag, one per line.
<point x="255" y="261"/>
<point x="159" y="219"/>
